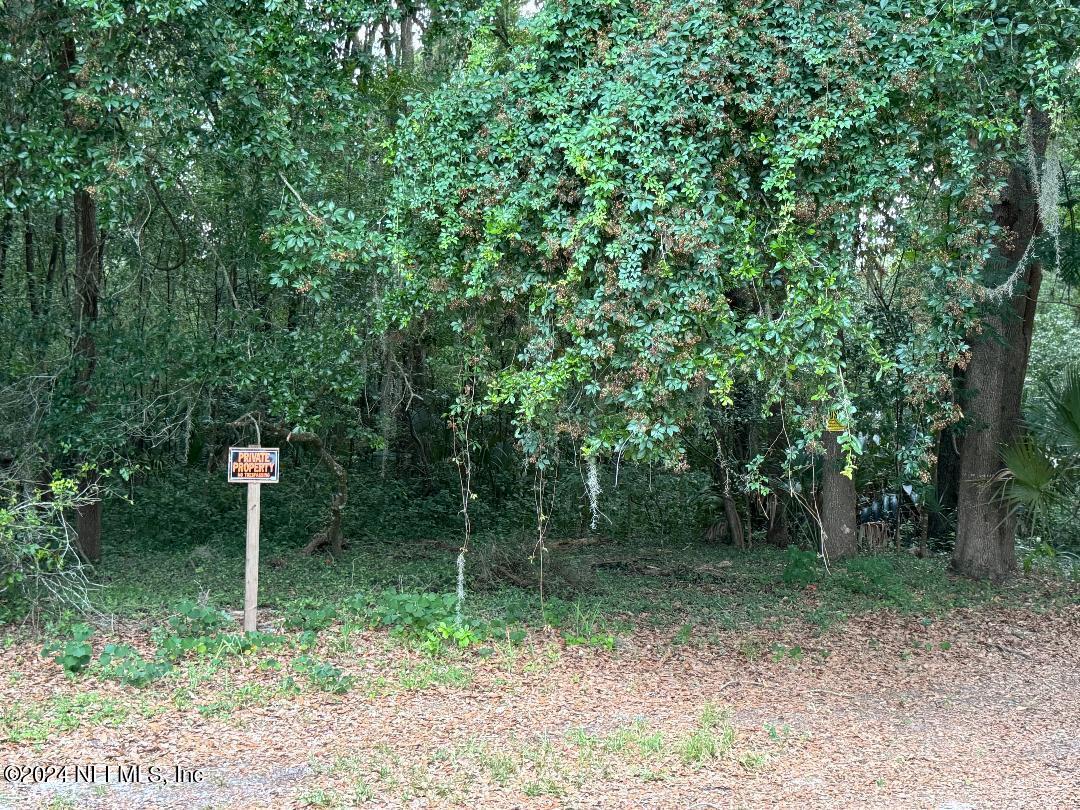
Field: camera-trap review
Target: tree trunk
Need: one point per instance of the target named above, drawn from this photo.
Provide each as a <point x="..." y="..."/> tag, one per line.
<point x="56" y="261"/>
<point x="405" y="47"/>
<point x="85" y="312"/>
<point x="839" y="527"/>
<point x="28" y="261"/>
<point x="332" y="534"/>
<point x="986" y="526"/>
<point x="731" y="512"/>
<point x="946" y="483"/>
<point x="730" y="525"/>
<point x="5" y="242"/>
<point x="776" y="511"/>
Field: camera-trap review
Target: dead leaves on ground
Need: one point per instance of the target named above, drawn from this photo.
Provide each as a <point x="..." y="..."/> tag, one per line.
<point x="886" y="709"/>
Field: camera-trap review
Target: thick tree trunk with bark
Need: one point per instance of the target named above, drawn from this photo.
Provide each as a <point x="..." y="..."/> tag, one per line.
<point x="986" y="527"/>
<point x="839" y="525"/>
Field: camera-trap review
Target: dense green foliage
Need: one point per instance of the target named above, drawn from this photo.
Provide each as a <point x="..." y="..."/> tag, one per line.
<point x="656" y="210"/>
<point x="1044" y="466"/>
<point x="501" y="280"/>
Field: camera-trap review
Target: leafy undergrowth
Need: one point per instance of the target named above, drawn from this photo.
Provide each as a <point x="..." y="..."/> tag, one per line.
<point x="627" y="584"/>
<point x="380" y="629"/>
<point x="187" y="658"/>
<point x="181" y="537"/>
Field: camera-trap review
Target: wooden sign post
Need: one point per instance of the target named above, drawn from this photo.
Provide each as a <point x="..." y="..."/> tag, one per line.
<point x="253" y="466"/>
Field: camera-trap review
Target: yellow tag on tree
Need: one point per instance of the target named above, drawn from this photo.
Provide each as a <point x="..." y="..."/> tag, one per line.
<point x="834" y="426"/>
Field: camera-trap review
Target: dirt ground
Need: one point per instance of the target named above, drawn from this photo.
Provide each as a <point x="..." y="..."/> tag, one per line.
<point x="978" y="710"/>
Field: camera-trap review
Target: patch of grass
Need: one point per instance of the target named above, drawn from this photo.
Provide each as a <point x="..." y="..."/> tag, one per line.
<point x="323" y="674"/>
<point x="37" y="721"/>
<point x="235" y="698"/>
<point x="752" y="649"/>
<point x="699" y="746"/>
<point x="343" y="641"/>
<point x="363" y="792"/>
<point x="583" y="623"/>
<point x="635" y="739"/>
<point x="781" y="652"/>
<point x="409" y="779"/>
<point x="499" y="765"/>
<point x="800" y="567"/>
<point x="713" y="737"/>
<point x="428" y="673"/>
<point x="778" y="733"/>
<point x="543" y="787"/>
<point x="753" y="760"/>
<point x="539" y="765"/>
<point x="319" y="797"/>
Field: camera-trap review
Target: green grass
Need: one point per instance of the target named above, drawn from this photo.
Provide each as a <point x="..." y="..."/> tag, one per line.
<point x="319" y="798"/>
<point x="37" y="721"/>
<point x="713" y="737"/>
<point x="425" y="674"/>
<point x="499" y="764"/>
<point x="236" y="698"/>
<point x="539" y="766"/>
<point x="753" y="760"/>
<point x="635" y="738"/>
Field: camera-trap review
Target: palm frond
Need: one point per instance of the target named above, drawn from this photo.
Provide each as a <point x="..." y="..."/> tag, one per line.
<point x="1032" y="477"/>
<point x="1064" y="413"/>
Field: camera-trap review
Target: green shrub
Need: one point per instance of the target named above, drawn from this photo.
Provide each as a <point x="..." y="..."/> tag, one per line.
<point x="800" y="567"/>
<point x="73" y="655"/>
<point x="40" y="571"/>
<point x="435" y="639"/>
<point x="311" y="618"/>
<point x="324" y="675"/>
<point x="358" y="604"/>
<point x="174" y="647"/>
<point x="415" y="612"/>
<point x="122" y="663"/>
<point x="196" y="630"/>
<point x="875" y="577"/>
<point x="307" y="640"/>
<point x="557" y="611"/>
<point x="192" y="620"/>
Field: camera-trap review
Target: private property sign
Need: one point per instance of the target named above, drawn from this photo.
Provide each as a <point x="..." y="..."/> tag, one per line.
<point x="253" y="465"/>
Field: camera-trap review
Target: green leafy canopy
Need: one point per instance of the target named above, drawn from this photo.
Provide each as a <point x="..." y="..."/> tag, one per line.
<point x="647" y="206"/>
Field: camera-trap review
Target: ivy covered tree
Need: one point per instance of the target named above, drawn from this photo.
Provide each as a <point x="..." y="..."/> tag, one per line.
<point x="655" y="208"/>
